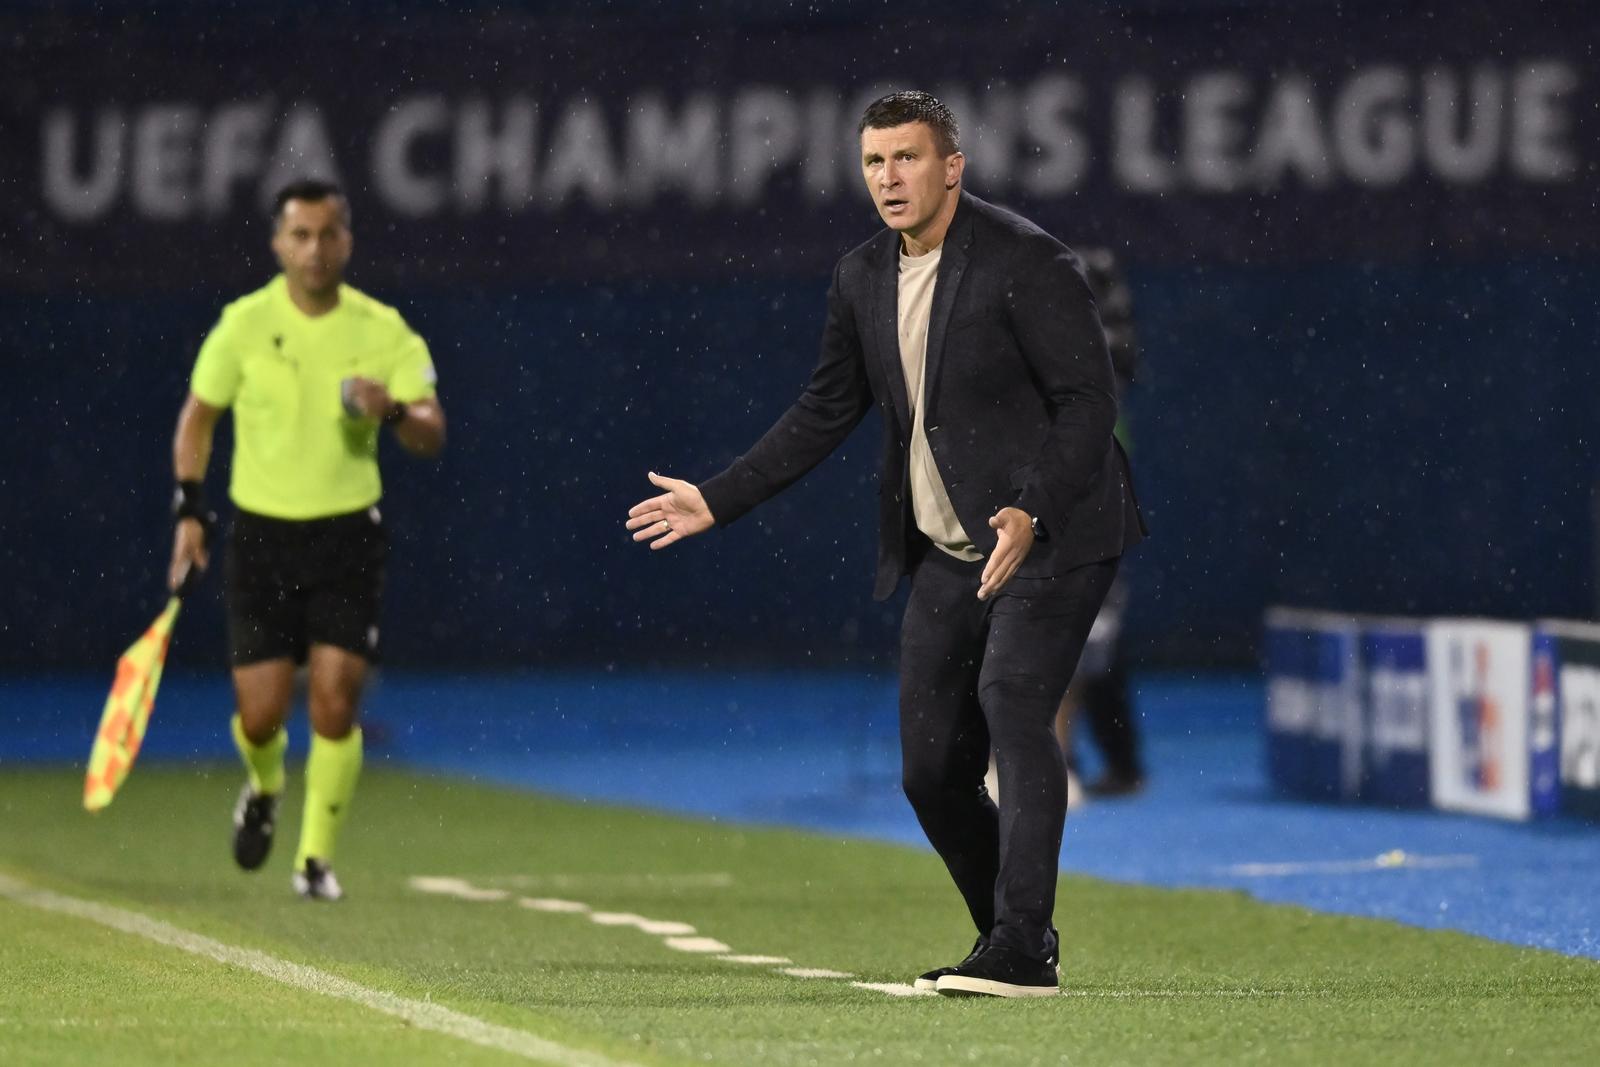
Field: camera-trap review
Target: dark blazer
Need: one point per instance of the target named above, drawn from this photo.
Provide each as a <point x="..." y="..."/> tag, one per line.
<point x="1019" y="391"/>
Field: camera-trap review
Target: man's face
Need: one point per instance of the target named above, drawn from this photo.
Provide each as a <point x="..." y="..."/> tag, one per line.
<point x="313" y="243"/>
<point x="908" y="179"/>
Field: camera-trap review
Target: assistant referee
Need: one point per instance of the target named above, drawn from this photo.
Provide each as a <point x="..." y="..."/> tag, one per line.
<point x="311" y="369"/>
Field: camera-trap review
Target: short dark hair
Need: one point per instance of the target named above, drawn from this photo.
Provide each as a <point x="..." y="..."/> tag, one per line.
<point x="310" y="189"/>
<point x="913" y="105"/>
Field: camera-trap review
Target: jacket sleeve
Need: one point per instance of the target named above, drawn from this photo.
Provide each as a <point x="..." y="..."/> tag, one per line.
<point x="1057" y="328"/>
<point x="833" y="403"/>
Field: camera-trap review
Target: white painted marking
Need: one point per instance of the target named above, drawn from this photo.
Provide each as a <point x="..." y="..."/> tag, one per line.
<point x="676" y="935"/>
<point x="615" y="918"/>
<point x="459" y="888"/>
<point x="815" y="972"/>
<point x="697" y="944"/>
<point x="551" y="904"/>
<point x="1388" y="861"/>
<point x="658" y="927"/>
<point x="895" y="989"/>
<point x="568" y="882"/>
<point x="1195" y="994"/>
<point x="418" y="1013"/>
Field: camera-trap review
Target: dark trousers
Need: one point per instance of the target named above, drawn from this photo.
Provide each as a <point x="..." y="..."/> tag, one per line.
<point x="976" y="675"/>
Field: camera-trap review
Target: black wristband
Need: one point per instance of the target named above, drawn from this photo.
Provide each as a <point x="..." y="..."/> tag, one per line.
<point x="398" y="412"/>
<point x="189" y="500"/>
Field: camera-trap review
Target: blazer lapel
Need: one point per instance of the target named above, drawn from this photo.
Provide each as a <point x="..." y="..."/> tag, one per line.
<point x="886" y="325"/>
<point x="952" y="265"/>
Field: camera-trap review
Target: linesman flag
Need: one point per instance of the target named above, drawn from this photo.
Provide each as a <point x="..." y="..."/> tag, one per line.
<point x="128" y="707"/>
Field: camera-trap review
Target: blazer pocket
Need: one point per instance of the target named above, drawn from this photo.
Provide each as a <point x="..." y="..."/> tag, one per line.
<point x="1020" y="476"/>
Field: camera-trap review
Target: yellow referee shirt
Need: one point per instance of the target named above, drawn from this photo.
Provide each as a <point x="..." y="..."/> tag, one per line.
<point x="296" y="454"/>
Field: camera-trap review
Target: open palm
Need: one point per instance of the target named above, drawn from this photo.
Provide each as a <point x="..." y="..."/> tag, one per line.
<point x="667" y="519"/>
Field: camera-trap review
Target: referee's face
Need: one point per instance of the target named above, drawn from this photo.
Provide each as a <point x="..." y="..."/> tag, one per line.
<point x="313" y="243"/>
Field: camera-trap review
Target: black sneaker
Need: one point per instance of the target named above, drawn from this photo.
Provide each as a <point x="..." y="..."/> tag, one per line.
<point x="255" y="816"/>
<point x="931" y="979"/>
<point x="315" y="881"/>
<point x="1002" y="972"/>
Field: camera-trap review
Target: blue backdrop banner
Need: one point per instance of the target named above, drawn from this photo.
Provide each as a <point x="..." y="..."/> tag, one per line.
<point x="1360" y="240"/>
<point x="496" y="149"/>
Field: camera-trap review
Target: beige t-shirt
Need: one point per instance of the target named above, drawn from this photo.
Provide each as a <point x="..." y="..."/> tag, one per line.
<point x="930" y="501"/>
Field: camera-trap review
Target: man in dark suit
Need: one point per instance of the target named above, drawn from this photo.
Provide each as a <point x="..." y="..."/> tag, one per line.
<point x="1003" y="494"/>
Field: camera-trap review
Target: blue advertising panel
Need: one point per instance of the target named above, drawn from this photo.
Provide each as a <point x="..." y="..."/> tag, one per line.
<point x="1544" y="750"/>
<point x="1313" y="704"/>
<point x="1395" y="657"/>
<point x="1576" y="656"/>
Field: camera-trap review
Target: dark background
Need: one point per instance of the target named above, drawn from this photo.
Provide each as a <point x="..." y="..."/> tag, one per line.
<point x="1365" y="397"/>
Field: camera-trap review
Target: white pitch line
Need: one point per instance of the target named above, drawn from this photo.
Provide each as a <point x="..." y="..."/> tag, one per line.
<point x="1388" y="861"/>
<point x="697" y="944"/>
<point x="613" y="882"/>
<point x="675" y="935"/>
<point x="571" y="907"/>
<point x="459" y="888"/>
<point x="1191" y="994"/>
<point x="895" y="989"/>
<point x="418" y="1013"/>
<point x="815" y="972"/>
<point x="659" y="927"/>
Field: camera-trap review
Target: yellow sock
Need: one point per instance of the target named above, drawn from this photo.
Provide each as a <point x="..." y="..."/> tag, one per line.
<point x="331" y="773"/>
<point x="263" y="762"/>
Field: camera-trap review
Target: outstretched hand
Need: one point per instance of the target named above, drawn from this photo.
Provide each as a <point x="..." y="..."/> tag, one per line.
<point x="667" y="519"/>
<point x="1013" y="542"/>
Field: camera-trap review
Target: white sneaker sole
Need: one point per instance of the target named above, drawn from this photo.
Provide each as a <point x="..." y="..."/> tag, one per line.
<point x="925" y="983"/>
<point x="955" y="985"/>
<point x="302" y="887"/>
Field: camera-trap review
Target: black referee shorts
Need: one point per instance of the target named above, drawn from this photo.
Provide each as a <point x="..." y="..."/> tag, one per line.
<point x="295" y="584"/>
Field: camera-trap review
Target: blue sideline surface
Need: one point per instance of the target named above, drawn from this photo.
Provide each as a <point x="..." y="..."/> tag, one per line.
<point x="819" y="751"/>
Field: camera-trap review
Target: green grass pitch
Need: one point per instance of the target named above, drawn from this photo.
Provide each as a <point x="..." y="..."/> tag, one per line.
<point x="1153" y="976"/>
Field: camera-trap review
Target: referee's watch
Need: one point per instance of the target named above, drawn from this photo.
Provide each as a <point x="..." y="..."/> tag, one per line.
<point x="1039" y="532"/>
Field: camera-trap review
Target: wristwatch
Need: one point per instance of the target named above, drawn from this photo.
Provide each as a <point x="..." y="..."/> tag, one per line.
<point x="1039" y="532"/>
